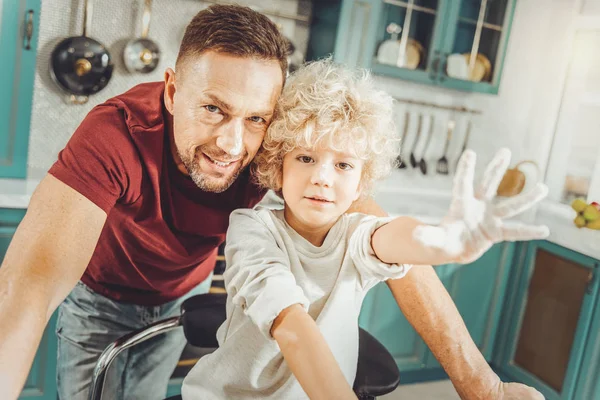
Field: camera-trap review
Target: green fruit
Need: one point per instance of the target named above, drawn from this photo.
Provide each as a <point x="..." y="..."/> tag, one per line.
<point x="594" y="225"/>
<point x="579" y="221"/>
<point x="590" y="213"/>
<point x="578" y="205"/>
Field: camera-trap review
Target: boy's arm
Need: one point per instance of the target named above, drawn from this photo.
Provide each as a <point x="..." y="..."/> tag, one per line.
<point x="471" y="226"/>
<point x="308" y="355"/>
<point x="429" y="308"/>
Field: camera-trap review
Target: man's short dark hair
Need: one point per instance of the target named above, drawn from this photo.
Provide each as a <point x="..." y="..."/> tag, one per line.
<point x="235" y="30"/>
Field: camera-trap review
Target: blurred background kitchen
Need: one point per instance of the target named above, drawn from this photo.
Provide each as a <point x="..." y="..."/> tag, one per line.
<point x="483" y="74"/>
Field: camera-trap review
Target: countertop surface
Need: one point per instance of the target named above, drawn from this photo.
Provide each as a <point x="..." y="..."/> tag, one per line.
<point x="427" y="205"/>
<point x="16" y="193"/>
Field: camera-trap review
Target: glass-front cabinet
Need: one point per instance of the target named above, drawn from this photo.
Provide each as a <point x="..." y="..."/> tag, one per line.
<point x="405" y="42"/>
<point x="458" y="44"/>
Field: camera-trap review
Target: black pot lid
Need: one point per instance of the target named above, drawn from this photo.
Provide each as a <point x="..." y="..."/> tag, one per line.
<point x="81" y="65"/>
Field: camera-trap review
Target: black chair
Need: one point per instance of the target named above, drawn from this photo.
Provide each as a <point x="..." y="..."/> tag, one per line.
<point x="201" y="316"/>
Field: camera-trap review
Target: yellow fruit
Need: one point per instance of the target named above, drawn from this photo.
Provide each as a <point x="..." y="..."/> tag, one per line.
<point x="579" y="221"/>
<point x="578" y="205"/>
<point x="590" y="213"/>
<point x="594" y="225"/>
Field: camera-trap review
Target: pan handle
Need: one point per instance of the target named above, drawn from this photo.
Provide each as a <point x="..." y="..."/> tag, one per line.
<point x="74" y="99"/>
<point x="146" y="18"/>
<point x="28" y="30"/>
<point x="88" y="9"/>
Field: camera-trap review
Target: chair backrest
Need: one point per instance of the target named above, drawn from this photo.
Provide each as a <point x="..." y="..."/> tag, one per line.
<point x="201" y="316"/>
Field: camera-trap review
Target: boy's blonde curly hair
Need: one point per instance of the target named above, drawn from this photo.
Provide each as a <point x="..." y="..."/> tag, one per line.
<point x="324" y="103"/>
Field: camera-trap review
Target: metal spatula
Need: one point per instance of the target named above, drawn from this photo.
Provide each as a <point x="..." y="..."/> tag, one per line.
<point x="413" y="159"/>
<point x="464" y="147"/>
<point x="423" y="163"/>
<point x="401" y="163"/>
<point x="442" y="163"/>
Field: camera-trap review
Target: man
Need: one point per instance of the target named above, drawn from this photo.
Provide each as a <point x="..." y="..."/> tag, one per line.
<point x="127" y="222"/>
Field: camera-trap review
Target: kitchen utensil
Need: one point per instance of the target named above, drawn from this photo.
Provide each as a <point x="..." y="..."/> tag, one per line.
<point x="457" y="66"/>
<point x="423" y="163"/>
<point x="464" y="146"/>
<point x="413" y="159"/>
<point x="514" y="180"/>
<point x="442" y="163"/>
<point x="81" y="65"/>
<point x="482" y="68"/>
<point x="387" y="52"/>
<point x="142" y="54"/>
<point x="414" y="54"/>
<point x="401" y="163"/>
<point x="295" y="58"/>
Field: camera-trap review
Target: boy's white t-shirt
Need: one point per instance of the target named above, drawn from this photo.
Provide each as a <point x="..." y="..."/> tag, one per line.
<point x="270" y="267"/>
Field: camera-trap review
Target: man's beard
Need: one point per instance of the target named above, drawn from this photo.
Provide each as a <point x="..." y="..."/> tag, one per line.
<point x="205" y="181"/>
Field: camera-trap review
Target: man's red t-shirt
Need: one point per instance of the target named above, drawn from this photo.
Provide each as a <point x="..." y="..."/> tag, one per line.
<point x="162" y="232"/>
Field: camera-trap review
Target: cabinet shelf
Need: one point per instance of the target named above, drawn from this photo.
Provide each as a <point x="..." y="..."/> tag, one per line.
<point x="487" y="25"/>
<point x="439" y="28"/>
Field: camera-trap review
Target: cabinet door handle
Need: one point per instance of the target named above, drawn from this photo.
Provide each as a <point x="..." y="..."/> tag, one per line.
<point x="28" y="29"/>
<point x="590" y="281"/>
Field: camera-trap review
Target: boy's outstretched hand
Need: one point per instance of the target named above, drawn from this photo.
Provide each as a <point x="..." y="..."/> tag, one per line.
<point x="473" y="223"/>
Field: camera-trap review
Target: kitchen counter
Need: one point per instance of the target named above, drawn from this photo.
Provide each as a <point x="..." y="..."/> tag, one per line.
<point x="16" y="193"/>
<point x="398" y="197"/>
<point x="427" y="205"/>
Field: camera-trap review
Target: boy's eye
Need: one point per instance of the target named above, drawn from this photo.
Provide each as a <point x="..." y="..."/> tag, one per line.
<point x="345" y="166"/>
<point x="304" y="159"/>
<point x="212" y="109"/>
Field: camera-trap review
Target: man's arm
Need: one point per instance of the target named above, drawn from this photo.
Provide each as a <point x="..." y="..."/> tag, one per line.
<point x="308" y="355"/>
<point x="48" y="254"/>
<point x="429" y="308"/>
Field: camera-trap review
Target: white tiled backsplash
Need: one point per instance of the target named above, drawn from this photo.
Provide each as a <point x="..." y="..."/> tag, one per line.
<point x="521" y="117"/>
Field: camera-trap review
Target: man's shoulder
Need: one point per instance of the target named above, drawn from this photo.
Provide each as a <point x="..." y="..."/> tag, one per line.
<point x="140" y="106"/>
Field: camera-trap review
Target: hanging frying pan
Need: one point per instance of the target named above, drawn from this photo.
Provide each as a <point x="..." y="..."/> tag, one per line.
<point x="81" y="65"/>
<point x="142" y="54"/>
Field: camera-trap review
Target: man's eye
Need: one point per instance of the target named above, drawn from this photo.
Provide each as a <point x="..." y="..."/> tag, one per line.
<point x="212" y="109"/>
<point x="304" y="159"/>
<point x="345" y="166"/>
<point x="259" y="120"/>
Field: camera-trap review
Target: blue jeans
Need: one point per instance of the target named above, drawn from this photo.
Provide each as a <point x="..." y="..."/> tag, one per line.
<point x="88" y="322"/>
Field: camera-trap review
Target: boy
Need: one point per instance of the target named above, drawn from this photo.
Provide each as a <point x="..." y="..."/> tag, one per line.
<point x="296" y="277"/>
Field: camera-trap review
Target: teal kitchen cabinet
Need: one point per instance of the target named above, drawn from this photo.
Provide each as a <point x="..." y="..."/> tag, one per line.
<point x="587" y="385"/>
<point x="477" y="289"/>
<point x="41" y="382"/>
<point x="548" y="341"/>
<point x="457" y="44"/>
<point x="19" y="26"/>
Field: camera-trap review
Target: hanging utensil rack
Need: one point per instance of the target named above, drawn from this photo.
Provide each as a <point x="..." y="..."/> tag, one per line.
<point x="460" y="109"/>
